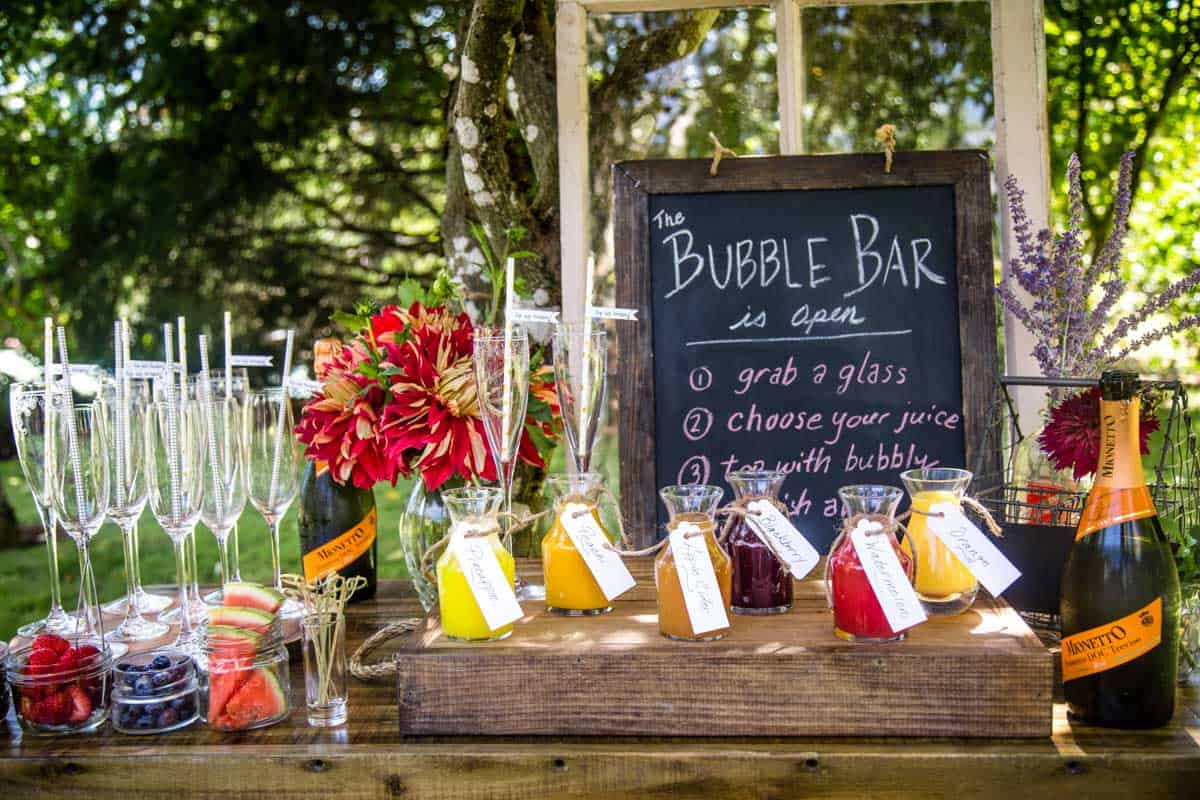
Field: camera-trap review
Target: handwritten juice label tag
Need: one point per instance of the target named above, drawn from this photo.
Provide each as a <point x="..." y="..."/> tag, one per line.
<point x="492" y="590"/>
<point x="777" y="531"/>
<point x="698" y="580"/>
<point x="887" y="577"/>
<point x="973" y="547"/>
<point x="589" y="539"/>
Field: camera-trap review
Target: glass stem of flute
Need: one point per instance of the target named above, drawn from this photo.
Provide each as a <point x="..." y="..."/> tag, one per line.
<point x="50" y="526"/>
<point x="223" y="551"/>
<point x="136" y="543"/>
<point x="89" y="602"/>
<point x="185" y="612"/>
<point x="130" y="552"/>
<point x="274" y="525"/>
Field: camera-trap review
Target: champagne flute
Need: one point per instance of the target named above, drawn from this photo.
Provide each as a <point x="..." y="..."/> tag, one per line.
<point x="175" y="457"/>
<point x="197" y="608"/>
<point x="81" y="496"/>
<point x="272" y="468"/>
<point x="230" y="383"/>
<point x="31" y="414"/>
<point x="501" y="357"/>
<point x="580" y="376"/>
<point x="127" y="403"/>
<point x="224" y="489"/>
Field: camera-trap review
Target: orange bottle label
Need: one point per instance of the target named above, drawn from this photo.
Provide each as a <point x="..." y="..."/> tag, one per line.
<point x="1119" y="493"/>
<point x="1114" y="644"/>
<point x="342" y="551"/>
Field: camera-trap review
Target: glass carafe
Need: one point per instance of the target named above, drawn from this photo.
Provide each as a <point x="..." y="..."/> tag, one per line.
<point x="696" y="505"/>
<point x="761" y="584"/>
<point x="857" y="614"/>
<point x="570" y="587"/>
<point x="944" y="584"/>
<point x="471" y="509"/>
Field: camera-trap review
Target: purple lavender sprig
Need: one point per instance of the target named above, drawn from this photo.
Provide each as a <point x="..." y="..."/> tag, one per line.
<point x="1067" y="325"/>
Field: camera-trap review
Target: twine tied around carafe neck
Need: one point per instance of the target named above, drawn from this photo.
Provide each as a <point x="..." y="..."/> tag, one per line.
<point x="475" y="532"/>
<point x="979" y="508"/>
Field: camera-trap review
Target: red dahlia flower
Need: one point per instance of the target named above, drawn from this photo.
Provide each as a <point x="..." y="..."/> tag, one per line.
<point x="1072" y="436"/>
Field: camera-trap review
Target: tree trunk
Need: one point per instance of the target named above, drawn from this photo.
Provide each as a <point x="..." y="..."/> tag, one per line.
<point x="502" y="152"/>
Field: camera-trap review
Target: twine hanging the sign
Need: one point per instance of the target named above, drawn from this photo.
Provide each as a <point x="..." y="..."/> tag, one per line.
<point x="971" y="503"/>
<point x="886" y="135"/>
<point x="720" y="152"/>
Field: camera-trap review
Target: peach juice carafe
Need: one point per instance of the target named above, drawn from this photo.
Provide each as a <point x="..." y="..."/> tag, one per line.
<point x="472" y="510"/>
<point x="570" y="587"/>
<point x="695" y="506"/>
<point x="944" y="584"/>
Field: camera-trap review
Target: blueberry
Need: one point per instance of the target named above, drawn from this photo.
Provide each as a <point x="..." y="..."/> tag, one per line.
<point x="168" y="718"/>
<point x="177" y="674"/>
<point x="153" y="709"/>
<point x="144" y="723"/>
<point x="143" y="686"/>
<point x="160" y="662"/>
<point x="178" y="703"/>
<point x="124" y="666"/>
<point x="130" y="680"/>
<point x="161" y="678"/>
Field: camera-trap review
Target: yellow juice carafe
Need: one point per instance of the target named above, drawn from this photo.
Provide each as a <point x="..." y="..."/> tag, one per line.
<point x="944" y="585"/>
<point x="472" y="510"/>
<point x="570" y="587"/>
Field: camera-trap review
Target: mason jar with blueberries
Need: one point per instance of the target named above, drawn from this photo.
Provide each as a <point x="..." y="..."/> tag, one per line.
<point x="155" y="692"/>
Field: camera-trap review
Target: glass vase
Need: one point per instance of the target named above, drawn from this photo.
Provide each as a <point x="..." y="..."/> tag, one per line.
<point x="424" y="522"/>
<point x="1189" y="634"/>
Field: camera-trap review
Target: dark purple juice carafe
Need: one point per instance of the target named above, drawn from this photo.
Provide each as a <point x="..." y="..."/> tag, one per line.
<point x="761" y="584"/>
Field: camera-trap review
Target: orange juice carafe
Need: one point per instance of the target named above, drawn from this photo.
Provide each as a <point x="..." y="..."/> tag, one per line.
<point x="570" y="587"/>
<point x="944" y="584"/>
<point x="695" y="505"/>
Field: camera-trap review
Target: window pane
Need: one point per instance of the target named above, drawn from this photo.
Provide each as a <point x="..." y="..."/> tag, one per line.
<point x="926" y="68"/>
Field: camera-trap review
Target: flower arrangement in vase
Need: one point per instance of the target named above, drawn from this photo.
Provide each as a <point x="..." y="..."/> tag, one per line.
<point x="399" y="401"/>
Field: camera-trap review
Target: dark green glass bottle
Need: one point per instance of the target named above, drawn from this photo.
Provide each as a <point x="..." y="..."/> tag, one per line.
<point x="1120" y="589"/>
<point x="337" y="523"/>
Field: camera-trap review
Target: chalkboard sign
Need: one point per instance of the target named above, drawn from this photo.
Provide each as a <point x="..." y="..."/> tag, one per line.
<point x="811" y="314"/>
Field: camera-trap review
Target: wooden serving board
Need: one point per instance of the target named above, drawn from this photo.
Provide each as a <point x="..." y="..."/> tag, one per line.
<point x="979" y="674"/>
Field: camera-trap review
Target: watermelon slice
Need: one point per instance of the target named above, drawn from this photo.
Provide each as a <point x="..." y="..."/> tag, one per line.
<point x="249" y="619"/>
<point x="258" y="699"/>
<point x="226" y="676"/>
<point x="227" y="640"/>
<point x="252" y="595"/>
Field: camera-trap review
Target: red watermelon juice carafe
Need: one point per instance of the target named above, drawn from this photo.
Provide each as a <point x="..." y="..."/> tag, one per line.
<point x="857" y="614"/>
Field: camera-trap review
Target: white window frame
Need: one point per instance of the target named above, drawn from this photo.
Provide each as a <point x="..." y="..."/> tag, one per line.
<point x="1019" y="86"/>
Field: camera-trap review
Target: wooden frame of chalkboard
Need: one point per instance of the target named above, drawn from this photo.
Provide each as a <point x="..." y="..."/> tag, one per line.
<point x="966" y="172"/>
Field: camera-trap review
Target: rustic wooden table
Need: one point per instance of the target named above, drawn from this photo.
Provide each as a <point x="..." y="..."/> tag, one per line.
<point x="369" y="758"/>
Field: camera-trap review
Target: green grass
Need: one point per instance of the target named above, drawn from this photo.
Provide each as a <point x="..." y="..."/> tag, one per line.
<point x="25" y="593"/>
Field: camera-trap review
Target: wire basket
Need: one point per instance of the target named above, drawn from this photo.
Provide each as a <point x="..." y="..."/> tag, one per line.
<point x="1040" y="516"/>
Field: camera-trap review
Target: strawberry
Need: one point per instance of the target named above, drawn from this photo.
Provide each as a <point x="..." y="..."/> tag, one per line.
<point x="48" y="641"/>
<point x="81" y="704"/>
<point x="41" y="662"/>
<point x="87" y="652"/>
<point x="53" y="709"/>
<point x="69" y="660"/>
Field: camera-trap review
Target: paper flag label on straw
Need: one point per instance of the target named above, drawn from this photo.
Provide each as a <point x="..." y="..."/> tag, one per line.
<point x="590" y="540"/>
<point x="534" y="315"/>
<point x="305" y="385"/>
<point x="972" y="546"/>
<point x="249" y="360"/>
<point x="57" y="369"/>
<point x="603" y="312"/>
<point x="489" y="585"/>
<point x="701" y="593"/>
<point x="145" y="369"/>
<point x="887" y="577"/>
<point x="781" y="535"/>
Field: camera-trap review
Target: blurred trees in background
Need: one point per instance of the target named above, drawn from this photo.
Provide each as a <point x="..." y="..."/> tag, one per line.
<point x="287" y="159"/>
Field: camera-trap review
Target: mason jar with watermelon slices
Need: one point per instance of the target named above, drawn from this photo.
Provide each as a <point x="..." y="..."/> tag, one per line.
<point x="246" y="683"/>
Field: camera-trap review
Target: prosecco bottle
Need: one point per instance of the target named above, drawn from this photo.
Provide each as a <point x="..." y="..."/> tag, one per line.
<point x="337" y="522"/>
<point x="1120" y="591"/>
